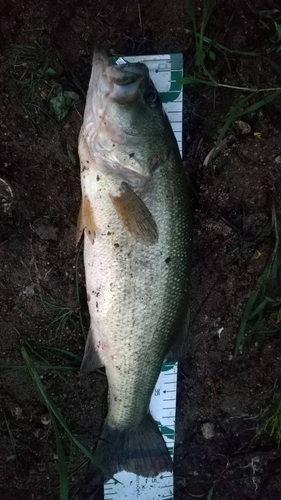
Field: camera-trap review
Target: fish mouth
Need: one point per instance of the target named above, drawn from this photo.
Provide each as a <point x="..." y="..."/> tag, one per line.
<point x="122" y="83"/>
<point x="127" y="81"/>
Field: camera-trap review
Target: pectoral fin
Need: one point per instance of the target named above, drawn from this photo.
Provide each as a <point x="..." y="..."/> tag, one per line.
<point x="79" y="227"/>
<point x="86" y="221"/>
<point x="89" y="221"/>
<point x="135" y="216"/>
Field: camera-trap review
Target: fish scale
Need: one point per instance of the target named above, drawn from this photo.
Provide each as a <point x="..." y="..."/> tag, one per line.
<point x="137" y="260"/>
<point x="163" y="401"/>
<point x="109" y="267"/>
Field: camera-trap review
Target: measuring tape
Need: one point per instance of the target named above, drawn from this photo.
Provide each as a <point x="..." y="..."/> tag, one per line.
<point x="163" y="410"/>
<point x="164" y="70"/>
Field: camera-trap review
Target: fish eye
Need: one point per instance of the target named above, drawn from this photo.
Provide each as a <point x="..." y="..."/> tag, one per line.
<point x="151" y="96"/>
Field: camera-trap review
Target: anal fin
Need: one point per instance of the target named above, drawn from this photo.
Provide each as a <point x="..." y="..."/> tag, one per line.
<point x="91" y="359"/>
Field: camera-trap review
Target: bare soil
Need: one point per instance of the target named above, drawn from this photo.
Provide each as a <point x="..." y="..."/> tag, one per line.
<point x="232" y="201"/>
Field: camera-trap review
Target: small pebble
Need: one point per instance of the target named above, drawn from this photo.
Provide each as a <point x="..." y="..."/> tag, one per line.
<point x="242" y="127"/>
<point x="208" y="430"/>
<point x="16" y="411"/>
<point x="277" y="160"/>
<point x="29" y="290"/>
<point x="220" y="331"/>
<point x="45" y="420"/>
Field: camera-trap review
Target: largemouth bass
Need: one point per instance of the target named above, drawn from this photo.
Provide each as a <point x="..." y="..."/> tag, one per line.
<point x="137" y="238"/>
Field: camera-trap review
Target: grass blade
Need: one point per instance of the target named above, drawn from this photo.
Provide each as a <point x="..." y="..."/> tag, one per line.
<point x="77" y="291"/>
<point x="193" y="80"/>
<point x="199" y="37"/>
<point x="11" y="437"/>
<point x="192" y="495"/>
<point x="64" y="351"/>
<point x="231" y="116"/>
<point x="258" y="309"/>
<point x="246" y="314"/>
<point x="273" y="301"/>
<point x="208" y="8"/>
<point x="73" y="368"/>
<point x="235" y="109"/>
<point x="61" y="460"/>
<point x="39" y="367"/>
<point x="275" y="252"/>
<point x="262" y="285"/>
<point x="234" y="112"/>
<point x="210" y="494"/>
<point x="259" y="104"/>
<point x="192" y="15"/>
<point x="59" y="416"/>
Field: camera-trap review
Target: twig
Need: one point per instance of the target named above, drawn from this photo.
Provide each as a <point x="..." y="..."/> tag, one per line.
<point x="3" y="242"/>
<point x="224" y="85"/>
<point x="245" y="88"/>
<point x="139" y="10"/>
<point x="78" y="468"/>
<point x="216" y="150"/>
<point x="235" y="228"/>
<point x="38" y="275"/>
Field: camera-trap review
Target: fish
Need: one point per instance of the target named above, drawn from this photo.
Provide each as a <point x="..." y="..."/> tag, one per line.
<point x="136" y="218"/>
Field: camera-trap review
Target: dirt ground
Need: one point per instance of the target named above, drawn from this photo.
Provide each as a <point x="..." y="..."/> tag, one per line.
<point x="46" y="48"/>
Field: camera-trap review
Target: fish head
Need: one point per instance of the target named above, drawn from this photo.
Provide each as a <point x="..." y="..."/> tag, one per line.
<point x="124" y="121"/>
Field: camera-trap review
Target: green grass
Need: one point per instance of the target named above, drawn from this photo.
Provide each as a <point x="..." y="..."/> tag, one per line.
<point x="201" y="51"/>
<point x="260" y="233"/>
<point x="259" y="299"/>
<point x="57" y="418"/>
<point x="272" y="423"/>
<point x="61" y="459"/>
<point x="13" y="444"/>
<point x="34" y="362"/>
<point x="39" y="93"/>
<point x="30" y="68"/>
<point x="205" y="47"/>
<point x="62" y="315"/>
<point x="236" y="112"/>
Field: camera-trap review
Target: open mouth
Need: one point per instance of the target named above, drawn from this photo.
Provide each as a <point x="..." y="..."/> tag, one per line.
<point x="126" y="81"/>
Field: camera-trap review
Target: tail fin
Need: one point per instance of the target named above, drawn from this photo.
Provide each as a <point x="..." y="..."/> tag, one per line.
<point x="141" y="449"/>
